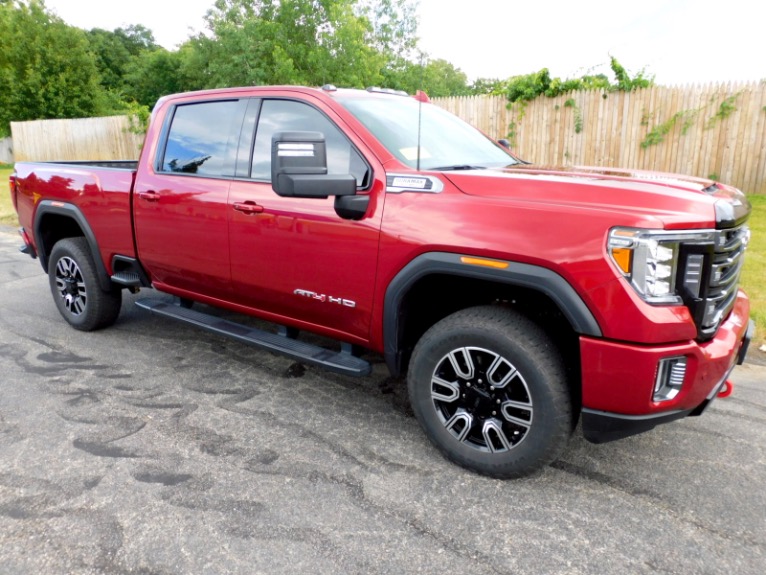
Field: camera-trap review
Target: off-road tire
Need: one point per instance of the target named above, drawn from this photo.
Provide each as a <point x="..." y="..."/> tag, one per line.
<point x="507" y="430"/>
<point x="74" y="284"/>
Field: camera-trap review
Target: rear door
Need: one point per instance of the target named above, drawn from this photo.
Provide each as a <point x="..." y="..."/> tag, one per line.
<point x="181" y="202"/>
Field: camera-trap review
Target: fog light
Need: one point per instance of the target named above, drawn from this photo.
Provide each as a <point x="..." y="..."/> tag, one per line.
<point x="670" y="378"/>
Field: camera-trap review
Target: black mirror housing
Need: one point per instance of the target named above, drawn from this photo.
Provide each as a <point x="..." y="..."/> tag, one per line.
<point x="314" y="186"/>
<point x="299" y="167"/>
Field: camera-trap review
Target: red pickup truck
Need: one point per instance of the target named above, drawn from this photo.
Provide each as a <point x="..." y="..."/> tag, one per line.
<point x="516" y="299"/>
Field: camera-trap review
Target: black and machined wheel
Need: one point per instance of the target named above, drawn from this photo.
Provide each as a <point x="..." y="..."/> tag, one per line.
<point x="75" y="287"/>
<point x="490" y="390"/>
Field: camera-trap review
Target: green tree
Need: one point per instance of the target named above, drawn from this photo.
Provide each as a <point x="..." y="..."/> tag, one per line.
<point x="153" y="74"/>
<point x="285" y="42"/>
<point x="394" y="27"/>
<point x="486" y="86"/>
<point x="46" y="67"/>
<point x="437" y="78"/>
<point x="114" y="52"/>
<point x="110" y="56"/>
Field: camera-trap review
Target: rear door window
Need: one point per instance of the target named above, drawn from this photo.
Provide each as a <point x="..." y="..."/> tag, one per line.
<point x="202" y="139"/>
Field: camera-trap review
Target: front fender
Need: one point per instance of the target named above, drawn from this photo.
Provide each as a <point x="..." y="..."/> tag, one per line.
<point x="527" y="276"/>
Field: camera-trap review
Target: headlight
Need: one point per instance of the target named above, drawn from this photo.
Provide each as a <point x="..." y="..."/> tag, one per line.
<point x="649" y="260"/>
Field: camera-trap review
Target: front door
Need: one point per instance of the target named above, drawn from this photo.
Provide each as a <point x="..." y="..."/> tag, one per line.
<point x="295" y="260"/>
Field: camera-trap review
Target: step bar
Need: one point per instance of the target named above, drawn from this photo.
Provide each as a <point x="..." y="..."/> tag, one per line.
<point x="343" y="362"/>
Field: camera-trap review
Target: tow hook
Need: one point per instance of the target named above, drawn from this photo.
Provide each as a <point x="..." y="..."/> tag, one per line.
<point x="726" y="389"/>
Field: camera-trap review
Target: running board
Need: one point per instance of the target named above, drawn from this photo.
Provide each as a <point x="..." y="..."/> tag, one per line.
<point x="339" y="362"/>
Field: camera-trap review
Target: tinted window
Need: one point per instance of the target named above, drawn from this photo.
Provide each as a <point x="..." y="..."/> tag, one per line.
<point x="202" y="138"/>
<point x="289" y="116"/>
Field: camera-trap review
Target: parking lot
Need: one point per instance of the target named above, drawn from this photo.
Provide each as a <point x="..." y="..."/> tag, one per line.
<point x="154" y="448"/>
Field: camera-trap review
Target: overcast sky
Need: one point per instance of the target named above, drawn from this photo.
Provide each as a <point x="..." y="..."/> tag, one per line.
<point x="678" y="41"/>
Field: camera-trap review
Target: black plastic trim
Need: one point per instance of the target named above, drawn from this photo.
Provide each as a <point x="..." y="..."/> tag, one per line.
<point x="524" y="275"/>
<point x="352" y="207"/>
<point x="121" y="165"/>
<point x="47" y="207"/>
<point x="134" y="266"/>
<point x="27" y="248"/>
<point x="604" y="426"/>
<point x="730" y="214"/>
<point x="749" y="334"/>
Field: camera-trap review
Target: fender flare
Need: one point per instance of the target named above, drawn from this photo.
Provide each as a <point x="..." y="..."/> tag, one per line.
<point x="530" y="276"/>
<point x="49" y="207"/>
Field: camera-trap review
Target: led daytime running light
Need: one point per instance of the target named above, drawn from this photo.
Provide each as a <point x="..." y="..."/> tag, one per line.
<point x="649" y="259"/>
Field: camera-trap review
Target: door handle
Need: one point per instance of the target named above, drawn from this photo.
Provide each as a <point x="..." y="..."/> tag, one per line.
<point x="248" y="207"/>
<point x="149" y="196"/>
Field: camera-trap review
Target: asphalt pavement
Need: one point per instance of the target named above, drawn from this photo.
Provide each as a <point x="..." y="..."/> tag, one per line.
<point x="154" y="448"/>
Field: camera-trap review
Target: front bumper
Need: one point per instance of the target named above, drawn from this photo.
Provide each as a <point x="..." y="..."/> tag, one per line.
<point x="618" y="378"/>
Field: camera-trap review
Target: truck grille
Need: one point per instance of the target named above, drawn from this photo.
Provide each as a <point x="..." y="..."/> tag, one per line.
<point x="711" y="278"/>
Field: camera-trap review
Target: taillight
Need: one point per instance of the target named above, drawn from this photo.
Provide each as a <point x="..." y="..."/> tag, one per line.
<point x="12" y="186"/>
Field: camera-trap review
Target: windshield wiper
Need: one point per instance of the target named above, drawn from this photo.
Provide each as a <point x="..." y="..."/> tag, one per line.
<point x="458" y="167"/>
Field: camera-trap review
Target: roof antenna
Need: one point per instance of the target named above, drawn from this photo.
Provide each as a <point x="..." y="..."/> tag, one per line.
<point x="420" y="116"/>
<point x="418" y="96"/>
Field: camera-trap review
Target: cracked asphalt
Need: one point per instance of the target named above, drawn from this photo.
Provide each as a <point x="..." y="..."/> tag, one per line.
<point x="154" y="448"/>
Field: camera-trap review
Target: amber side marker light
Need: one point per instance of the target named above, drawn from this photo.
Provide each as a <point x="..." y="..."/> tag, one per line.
<point x="12" y="186"/>
<point x="621" y="246"/>
<point x="621" y="257"/>
<point x="482" y="262"/>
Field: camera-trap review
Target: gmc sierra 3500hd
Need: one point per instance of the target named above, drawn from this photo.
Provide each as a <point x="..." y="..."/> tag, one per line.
<point x="517" y="299"/>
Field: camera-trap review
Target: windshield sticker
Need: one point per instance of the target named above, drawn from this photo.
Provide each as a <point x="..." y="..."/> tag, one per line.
<point x="411" y="154"/>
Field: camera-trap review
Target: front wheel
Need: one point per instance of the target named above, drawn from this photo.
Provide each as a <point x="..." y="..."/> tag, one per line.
<point x="489" y="388"/>
<point x="75" y="287"/>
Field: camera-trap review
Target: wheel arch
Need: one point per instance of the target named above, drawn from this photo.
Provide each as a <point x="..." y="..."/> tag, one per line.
<point x="55" y="221"/>
<point x="476" y="284"/>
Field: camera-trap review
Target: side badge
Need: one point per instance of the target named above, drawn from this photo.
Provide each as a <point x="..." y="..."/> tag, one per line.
<point x="325" y="298"/>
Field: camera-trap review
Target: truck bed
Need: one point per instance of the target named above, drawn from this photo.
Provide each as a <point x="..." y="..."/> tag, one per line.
<point x="100" y="191"/>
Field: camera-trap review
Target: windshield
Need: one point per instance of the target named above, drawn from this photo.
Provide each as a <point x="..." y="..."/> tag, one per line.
<point x="446" y="141"/>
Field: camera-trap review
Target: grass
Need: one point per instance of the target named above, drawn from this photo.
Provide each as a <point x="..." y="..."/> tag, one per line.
<point x="753" y="276"/>
<point x="7" y="213"/>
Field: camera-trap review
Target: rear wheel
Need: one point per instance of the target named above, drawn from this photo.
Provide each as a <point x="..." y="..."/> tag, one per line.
<point x="75" y="287"/>
<point x="489" y="388"/>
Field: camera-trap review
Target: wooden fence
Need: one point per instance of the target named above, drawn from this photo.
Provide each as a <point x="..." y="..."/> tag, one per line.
<point x="6" y="151"/>
<point x="109" y="138"/>
<point x="716" y="131"/>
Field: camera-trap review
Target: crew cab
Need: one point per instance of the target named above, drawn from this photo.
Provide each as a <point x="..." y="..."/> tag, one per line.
<point x="516" y="299"/>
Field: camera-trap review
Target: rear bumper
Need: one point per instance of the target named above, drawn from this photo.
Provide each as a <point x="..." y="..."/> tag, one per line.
<point x="618" y="378"/>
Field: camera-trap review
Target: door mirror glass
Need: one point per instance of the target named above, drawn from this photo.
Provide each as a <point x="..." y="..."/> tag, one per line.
<point x="299" y="167"/>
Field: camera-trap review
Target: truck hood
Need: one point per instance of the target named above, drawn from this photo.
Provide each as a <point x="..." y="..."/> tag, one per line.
<point x="673" y="200"/>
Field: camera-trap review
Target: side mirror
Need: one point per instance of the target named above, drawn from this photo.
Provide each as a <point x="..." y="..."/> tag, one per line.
<point x="505" y="143"/>
<point x="299" y="167"/>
